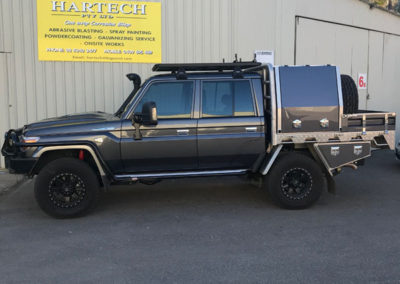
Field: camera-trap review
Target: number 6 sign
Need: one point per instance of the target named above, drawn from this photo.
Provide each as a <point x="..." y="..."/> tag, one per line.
<point x="362" y="81"/>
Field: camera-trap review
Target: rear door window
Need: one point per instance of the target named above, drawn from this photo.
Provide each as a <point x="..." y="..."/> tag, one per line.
<point x="227" y="98"/>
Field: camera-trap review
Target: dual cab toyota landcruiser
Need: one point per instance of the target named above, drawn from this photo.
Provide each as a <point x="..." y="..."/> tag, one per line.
<point x="291" y="127"/>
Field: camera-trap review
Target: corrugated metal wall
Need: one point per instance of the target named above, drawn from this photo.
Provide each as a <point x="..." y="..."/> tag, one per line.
<point x="355" y="50"/>
<point x="192" y="31"/>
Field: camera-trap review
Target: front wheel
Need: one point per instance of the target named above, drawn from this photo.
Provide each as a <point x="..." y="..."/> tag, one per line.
<point x="66" y="188"/>
<point x="295" y="181"/>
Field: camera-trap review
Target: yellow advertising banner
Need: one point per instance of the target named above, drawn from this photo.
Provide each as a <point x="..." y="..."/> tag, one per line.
<point x="99" y="31"/>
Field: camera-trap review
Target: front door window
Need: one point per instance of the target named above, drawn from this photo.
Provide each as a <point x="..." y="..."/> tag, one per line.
<point x="173" y="99"/>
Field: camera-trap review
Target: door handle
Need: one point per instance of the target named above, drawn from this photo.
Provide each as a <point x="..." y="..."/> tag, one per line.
<point x="183" y="132"/>
<point x="251" y="129"/>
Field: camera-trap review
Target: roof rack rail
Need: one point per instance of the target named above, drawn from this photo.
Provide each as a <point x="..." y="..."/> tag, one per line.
<point x="183" y="67"/>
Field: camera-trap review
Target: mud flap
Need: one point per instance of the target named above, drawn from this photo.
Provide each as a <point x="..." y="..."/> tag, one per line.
<point x="331" y="184"/>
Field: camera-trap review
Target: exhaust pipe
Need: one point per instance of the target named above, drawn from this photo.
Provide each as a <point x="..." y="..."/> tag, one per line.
<point x="353" y="166"/>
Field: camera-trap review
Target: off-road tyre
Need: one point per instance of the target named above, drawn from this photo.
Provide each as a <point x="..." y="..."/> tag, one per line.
<point x="295" y="181"/>
<point x="67" y="188"/>
<point x="350" y="94"/>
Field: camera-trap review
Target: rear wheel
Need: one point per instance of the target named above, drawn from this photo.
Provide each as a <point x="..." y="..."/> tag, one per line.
<point x="295" y="181"/>
<point x="66" y="188"/>
<point x="350" y="94"/>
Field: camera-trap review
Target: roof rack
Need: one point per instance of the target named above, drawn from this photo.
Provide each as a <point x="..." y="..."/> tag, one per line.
<point x="180" y="69"/>
<point x="236" y="66"/>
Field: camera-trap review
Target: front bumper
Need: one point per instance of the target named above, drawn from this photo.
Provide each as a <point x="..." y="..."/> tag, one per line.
<point x="16" y="160"/>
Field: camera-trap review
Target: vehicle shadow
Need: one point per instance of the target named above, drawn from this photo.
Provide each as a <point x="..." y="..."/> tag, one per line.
<point x="195" y="192"/>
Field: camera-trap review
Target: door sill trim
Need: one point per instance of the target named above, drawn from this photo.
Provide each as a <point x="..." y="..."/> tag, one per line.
<point x="135" y="177"/>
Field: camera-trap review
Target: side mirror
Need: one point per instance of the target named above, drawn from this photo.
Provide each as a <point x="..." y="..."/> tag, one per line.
<point x="149" y="114"/>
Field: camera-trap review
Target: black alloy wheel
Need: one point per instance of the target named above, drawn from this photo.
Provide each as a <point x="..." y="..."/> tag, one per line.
<point x="295" y="181"/>
<point x="67" y="188"/>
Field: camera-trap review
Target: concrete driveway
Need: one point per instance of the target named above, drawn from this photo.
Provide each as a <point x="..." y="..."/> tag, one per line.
<point x="213" y="230"/>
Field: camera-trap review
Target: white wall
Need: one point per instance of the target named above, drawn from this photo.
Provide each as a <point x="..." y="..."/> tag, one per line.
<point x="196" y="31"/>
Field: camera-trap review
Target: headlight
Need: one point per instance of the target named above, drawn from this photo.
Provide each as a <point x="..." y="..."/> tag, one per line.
<point x="29" y="140"/>
<point x="11" y="138"/>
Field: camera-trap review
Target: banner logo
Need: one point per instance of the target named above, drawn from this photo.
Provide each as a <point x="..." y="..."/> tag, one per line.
<point x="93" y="31"/>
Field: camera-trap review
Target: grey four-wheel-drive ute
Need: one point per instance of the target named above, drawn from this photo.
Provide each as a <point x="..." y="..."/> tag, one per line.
<point x="290" y="128"/>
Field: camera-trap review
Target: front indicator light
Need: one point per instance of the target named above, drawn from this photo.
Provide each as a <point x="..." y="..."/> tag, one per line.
<point x="29" y="140"/>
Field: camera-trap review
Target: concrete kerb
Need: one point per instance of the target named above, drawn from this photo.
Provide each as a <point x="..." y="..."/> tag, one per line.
<point x="8" y="181"/>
